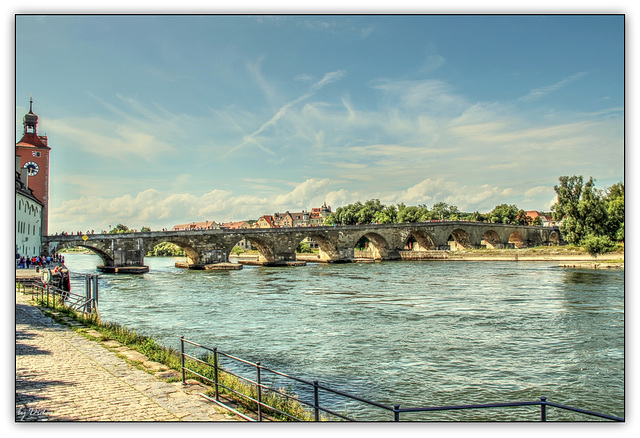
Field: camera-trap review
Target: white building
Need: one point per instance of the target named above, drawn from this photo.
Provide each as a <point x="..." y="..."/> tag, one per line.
<point x="28" y="216"/>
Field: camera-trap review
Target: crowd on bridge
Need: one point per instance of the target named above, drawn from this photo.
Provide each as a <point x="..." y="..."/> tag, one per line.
<point x="26" y="262"/>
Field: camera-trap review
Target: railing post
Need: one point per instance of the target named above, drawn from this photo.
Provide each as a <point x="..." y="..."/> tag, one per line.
<point x="87" y="290"/>
<point x="543" y="408"/>
<point x="95" y="293"/>
<point x="184" y="380"/>
<point x="396" y="413"/>
<point x="316" y="400"/>
<point x="215" y="372"/>
<point x="259" y="392"/>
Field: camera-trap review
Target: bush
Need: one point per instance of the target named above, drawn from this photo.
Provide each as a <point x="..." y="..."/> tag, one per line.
<point x="598" y="244"/>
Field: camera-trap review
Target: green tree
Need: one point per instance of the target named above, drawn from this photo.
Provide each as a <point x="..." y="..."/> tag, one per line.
<point x="596" y="245"/>
<point x="303" y="248"/>
<point x="504" y="214"/>
<point x="412" y="213"/>
<point x="581" y="209"/>
<point x="367" y="212"/>
<point x="120" y="228"/>
<point x="614" y="200"/>
<point x="442" y="210"/>
<point x="523" y="219"/>
<point x="388" y="215"/>
<point x="145" y="229"/>
<point x="356" y="213"/>
<point x="478" y="217"/>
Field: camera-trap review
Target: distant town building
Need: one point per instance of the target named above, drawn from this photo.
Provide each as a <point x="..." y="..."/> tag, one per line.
<point x="33" y="150"/>
<point x="302" y="219"/>
<point x="318" y="215"/>
<point x="235" y="225"/>
<point x="281" y="220"/>
<point x="194" y="226"/>
<point x="547" y="221"/>
<point x="265" y="221"/>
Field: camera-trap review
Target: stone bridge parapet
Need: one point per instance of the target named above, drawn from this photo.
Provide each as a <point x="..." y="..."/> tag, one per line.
<point x="336" y="243"/>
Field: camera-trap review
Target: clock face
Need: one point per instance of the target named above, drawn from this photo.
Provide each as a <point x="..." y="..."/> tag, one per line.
<point x="32" y="168"/>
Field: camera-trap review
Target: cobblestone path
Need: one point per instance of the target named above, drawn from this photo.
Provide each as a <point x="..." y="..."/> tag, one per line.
<point x="62" y="376"/>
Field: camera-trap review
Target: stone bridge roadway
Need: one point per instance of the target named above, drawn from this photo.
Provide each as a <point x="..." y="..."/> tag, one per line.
<point x="336" y="243"/>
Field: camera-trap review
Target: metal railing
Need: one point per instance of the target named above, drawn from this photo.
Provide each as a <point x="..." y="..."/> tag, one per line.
<point x="261" y="396"/>
<point x="51" y="295"/>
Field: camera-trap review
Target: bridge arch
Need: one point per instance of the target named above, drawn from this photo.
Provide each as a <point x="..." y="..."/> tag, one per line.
<point x="107" y="260"/>
<point x="534" y="240"/>
<point x="265" y="251"/>
<point x="378" y="245"/>
<point x="328" y="248"/>
<point x="419" y="240"/>
<point x="492" y="240"/>
<point x="459" y="239"/>
<point x="554" y="238"/>
<point x="516" y="239"/>
<point x="192" y="255"/>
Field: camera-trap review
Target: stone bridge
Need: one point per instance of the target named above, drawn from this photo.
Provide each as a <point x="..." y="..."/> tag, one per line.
<point x="278" y="245"/>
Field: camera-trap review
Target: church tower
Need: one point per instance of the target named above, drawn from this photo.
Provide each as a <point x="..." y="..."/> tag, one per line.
<point x="33" y="151"/>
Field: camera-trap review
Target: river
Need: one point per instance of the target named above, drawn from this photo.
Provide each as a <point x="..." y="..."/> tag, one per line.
<point x="426" y="333"/>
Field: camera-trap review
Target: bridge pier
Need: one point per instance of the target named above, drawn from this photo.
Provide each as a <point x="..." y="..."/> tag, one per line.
<point x="125" y="261"/>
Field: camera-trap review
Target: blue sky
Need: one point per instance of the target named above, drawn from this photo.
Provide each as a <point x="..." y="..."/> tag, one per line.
<point x="160" y="120"/>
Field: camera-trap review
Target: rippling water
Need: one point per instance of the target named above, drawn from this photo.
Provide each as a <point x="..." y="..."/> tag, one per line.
<point x="408" y="333"/>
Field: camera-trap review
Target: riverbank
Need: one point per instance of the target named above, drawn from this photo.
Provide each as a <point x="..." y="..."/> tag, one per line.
<point x="556" y="254"/>
<point x="568" y="256"/>
<point x="67" y="371"/>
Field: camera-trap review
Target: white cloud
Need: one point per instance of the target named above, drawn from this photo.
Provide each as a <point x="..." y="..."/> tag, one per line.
<point x="466" y="197"/>
<point x="539" y="93"/>
<point x="156" y="210"/>
<point x="536" y="191"/>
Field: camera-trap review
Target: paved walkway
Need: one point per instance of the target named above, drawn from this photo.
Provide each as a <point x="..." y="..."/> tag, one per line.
<point x="62" y="376"/>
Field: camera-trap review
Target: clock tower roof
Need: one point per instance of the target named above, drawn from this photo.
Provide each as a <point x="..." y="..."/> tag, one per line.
<point x="30" y="120"/>
<point x="30" y="137"/>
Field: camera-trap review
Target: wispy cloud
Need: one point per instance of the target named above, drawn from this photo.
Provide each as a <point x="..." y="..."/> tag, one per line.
<point x="254" y="69"/>
<point x="119" y="141"/>
<point x="539" y="93"/>
<point x="252" y="138"/>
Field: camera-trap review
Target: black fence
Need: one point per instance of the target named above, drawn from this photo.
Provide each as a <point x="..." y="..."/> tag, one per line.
<point x="43" y="290"/>
<point x="270" y="402"/>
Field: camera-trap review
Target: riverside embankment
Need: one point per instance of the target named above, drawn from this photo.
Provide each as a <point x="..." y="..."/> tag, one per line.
<point x="67" y="372"/>
<point x="565" y="256"/>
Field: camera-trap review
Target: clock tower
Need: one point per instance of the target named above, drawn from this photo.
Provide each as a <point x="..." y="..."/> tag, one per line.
<point x="33" y="151"/>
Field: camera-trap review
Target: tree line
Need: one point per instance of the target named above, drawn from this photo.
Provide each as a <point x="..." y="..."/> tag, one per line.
<point x="374" y="212"/>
